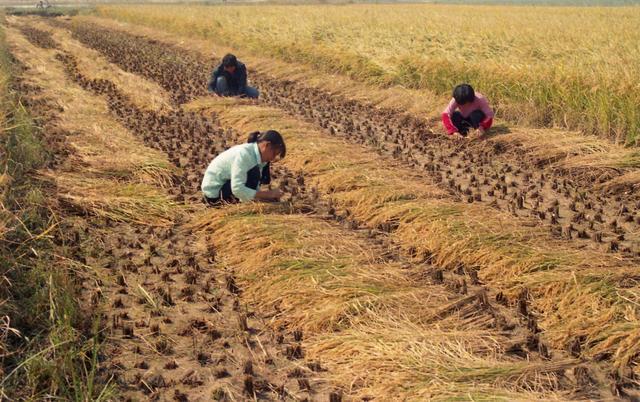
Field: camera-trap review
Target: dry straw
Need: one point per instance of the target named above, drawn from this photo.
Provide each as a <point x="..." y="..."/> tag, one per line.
<point x="512" y="254"/>
<point x="143" y="93"/>
<point x="118" y="201"/>
<point x="361" y="314"/>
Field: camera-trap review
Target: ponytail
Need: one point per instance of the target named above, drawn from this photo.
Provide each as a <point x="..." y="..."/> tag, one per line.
<point x="253" y="137"/>
<point x="272" y="136"/>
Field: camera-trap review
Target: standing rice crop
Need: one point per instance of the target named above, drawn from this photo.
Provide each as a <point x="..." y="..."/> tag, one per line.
<point x="570" y="67"/>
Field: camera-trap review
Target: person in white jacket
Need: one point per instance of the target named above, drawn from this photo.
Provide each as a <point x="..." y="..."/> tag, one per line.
<point x="236" y="174"/>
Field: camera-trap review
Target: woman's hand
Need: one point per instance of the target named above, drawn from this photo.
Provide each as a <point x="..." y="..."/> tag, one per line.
<point x="269" y="195"/>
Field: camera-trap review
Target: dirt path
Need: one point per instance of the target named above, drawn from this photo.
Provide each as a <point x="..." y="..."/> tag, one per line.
<point x="462" y="302"/>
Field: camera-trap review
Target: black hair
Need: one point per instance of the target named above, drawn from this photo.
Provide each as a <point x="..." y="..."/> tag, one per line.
<point x="463" y="94"/>
<point x="271" y="136"/>
<point x="229" y="60"/>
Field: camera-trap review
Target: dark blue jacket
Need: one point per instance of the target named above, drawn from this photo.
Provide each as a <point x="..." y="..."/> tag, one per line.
<point x="237" y="81"/>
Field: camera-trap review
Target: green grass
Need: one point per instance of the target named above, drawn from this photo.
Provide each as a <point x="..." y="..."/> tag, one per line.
<point x="50" y="345"/>
<point x="630" y="161"/>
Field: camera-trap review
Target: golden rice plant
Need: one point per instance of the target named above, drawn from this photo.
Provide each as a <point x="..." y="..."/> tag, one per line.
<point x="572" y="67"/>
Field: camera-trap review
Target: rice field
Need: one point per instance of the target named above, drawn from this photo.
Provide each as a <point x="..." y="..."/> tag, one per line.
<point x="399" y="265"/>
<point x="571" y="67"/>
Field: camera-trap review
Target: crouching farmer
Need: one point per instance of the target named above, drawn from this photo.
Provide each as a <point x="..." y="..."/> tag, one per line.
<point x="467" y="110"/>
<point x="236" y="174"/>
<point x="230" y="79"/>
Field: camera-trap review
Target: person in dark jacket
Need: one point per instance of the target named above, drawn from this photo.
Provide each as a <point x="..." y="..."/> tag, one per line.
<point x="230" y="79"/>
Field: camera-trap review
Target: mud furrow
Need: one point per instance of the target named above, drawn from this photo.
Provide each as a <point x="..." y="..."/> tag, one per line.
<point x="182" y="133"/>
<point x="491" y="172"/>
<point x="178" y="327"/>
<point x="181" y="75"/>
<point x="37" y="37"/>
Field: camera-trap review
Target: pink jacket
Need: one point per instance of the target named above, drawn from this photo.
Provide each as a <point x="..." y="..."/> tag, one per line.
<point x="479" y="103"/>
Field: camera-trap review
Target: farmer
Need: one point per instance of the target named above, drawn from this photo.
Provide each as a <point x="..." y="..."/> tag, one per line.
<point x="237" y="173"/>
<point x="468" y="109"/>
<point x="230" y="79"/>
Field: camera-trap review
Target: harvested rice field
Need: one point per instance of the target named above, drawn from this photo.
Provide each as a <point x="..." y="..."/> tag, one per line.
<point x="400" y="265"/>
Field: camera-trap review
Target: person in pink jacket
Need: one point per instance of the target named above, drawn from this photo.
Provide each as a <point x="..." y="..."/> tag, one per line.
<point x="468" y="109"/>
